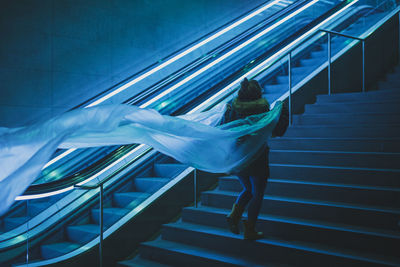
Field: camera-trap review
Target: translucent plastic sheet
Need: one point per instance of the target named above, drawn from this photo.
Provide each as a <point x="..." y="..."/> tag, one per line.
<point x="192" y="139"/>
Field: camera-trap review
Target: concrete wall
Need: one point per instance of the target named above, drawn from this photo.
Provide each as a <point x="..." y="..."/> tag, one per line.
<point x="55" y="54"/>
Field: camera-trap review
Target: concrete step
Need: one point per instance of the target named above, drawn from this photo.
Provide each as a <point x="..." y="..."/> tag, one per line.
<point x="352" y="118"/>
<point x="339" y="108"/>
<point x="128" y="199"/>
<point x="267" y="250"/>
<point x="82" y="234"/>
<point x="336" y="158"/>
<point x="334" y="174"/>
<point x="368" y="97"/>
<point x="181" y="254"/>
<point x="288" y="228"/>
<point x="55" y="250"/>
<point x="331" y="211"/>
<point x="384" y="196"/>
<point x="389" y="85"/>
<point x="344" y="131"/>
<point x="139" y="262"/>
<point x="393" y="77"/>
<point x="336" y="144"/>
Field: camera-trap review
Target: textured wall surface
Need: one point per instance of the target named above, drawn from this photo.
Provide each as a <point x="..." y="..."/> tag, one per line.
<point x="55" y="54"/>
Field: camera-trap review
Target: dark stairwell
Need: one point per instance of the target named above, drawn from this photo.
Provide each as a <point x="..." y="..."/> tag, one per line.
<point x="333" y="197"/>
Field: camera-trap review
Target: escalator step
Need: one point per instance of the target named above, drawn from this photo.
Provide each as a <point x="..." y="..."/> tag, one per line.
<point x="125" y="199"/>
<point x="12" y="223"/>
<point x="167" y="169"/>
<point x="82" y="234"/>
<point x="58" y="249"/>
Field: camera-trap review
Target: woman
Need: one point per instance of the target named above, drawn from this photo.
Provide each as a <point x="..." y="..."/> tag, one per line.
<point x="254" y="176"/>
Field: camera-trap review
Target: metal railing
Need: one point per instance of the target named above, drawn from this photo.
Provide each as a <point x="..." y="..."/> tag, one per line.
<point x="289" y="55"/>
<point x="330" y="33"/>
<point x="101" y="207"/>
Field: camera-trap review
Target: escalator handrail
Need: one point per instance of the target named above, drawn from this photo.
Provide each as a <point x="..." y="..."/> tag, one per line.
<point x="76" y="178"/>
<point x="131" y="77"/>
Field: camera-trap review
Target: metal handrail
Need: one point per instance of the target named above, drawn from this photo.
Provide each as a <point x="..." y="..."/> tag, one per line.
<point x="100" y="185"/>
<point x="290" y="52"/>
<point x="330" y="33"/>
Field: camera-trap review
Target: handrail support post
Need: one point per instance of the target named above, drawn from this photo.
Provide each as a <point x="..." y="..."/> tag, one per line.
<point x="329" y="64"/>
<point x="195" y="187"/>
<point x="290" y="88"/>
<point x="362" y="40"/>
<point x="101" y="227"/>
<point x="363" y="66"/>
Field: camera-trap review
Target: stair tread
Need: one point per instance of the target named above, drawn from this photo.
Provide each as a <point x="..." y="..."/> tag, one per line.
<point x="378" y="101"/>
<point x="201" y="252"/>
<point x="139" y="262"/>
<point x="301" y="245"/>
<point x="355" y="114"/>
<point x="314" y="202"/>
<point x="355" y="186"/>
<point x="309" y="222"/>
<point x="335" y="152"/>
<point x="336" y="167"/>
<point x="336" y="138"/>
<point x="345" y="126"/>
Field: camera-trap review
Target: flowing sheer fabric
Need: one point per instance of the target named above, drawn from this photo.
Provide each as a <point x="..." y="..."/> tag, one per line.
<point x="192" y="139"/>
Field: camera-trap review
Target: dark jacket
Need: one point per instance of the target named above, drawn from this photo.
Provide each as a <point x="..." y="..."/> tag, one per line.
<point x="240" y="109"/>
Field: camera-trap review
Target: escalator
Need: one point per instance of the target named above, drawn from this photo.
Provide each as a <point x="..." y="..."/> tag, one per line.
<point x="55" y="225"/>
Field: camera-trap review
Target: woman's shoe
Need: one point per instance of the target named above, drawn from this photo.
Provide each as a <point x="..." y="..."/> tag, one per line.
<point x="249" y="231"/>
<point x="234" y="217"/>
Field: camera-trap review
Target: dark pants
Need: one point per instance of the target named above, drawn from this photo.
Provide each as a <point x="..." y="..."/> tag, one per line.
<point x="254" y="180"/>
<point x="252" y="194"/>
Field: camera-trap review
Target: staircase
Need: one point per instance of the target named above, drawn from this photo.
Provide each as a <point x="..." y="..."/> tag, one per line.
<point x="309" y="59"/>
<point x="333" y="197"/>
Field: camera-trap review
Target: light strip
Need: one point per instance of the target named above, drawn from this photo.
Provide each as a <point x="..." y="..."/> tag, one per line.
<point x="83" y="182"/>
<point x="166" y="63"/>
<point x="271" y="59"/>
<point x="184" y="53"/>
<point x="69" y="151"/>
<point x="112" y="164"/>
<point x="200" y="71"/>
<point x="45" y="194"/>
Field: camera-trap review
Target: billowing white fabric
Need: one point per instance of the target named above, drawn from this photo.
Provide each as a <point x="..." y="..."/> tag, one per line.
<point x="191" y="139"/>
